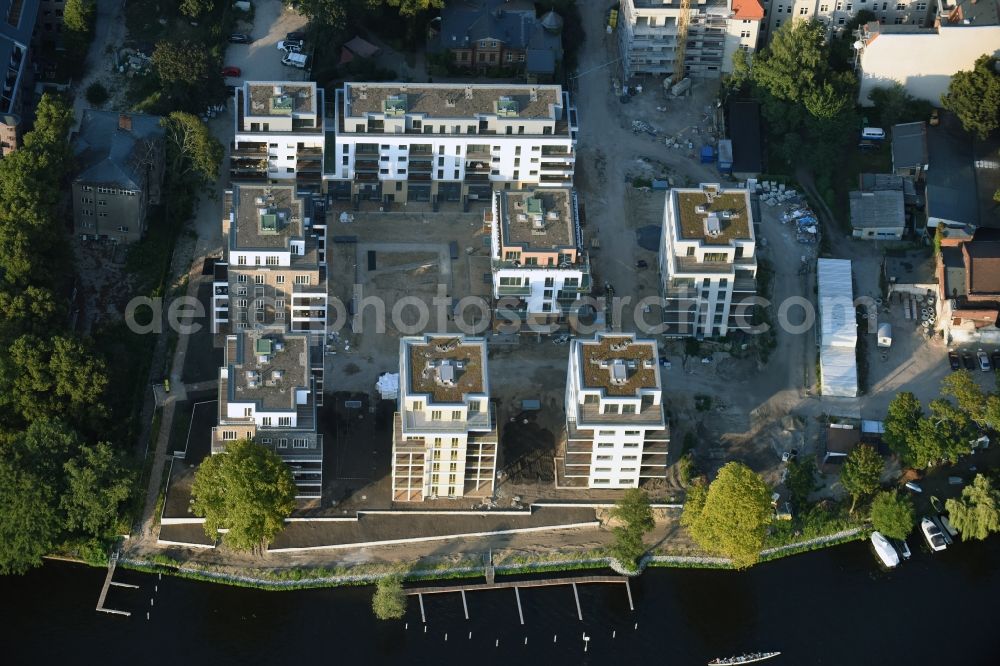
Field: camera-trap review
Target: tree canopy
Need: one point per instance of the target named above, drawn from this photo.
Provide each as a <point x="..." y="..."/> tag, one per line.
<point x="804" y="100"/>
<point x="921" y="441"/>
<point x="56" y="487"/>
<point x="636" y="517"/>
<point x="196" y="8"/>
<point x="861" y="472"/>
<point x="247" y="490"/>
<point x="974" y="96"/>
<point x="389" y="601"/>
<point x="801" y="481"/>
<point x="730" y="517"/>
<point x="892" y="514"/>
<point x="192" y="151"/>
<point x="976" y="514"/>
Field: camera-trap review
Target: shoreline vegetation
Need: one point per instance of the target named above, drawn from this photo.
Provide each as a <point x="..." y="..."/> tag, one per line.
<point x="368" y="574"/>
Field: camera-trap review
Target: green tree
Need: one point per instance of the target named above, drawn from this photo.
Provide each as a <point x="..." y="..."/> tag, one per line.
<point x="78" y="15"/>
<point x="945" y="434"/>
<point x="963" y="387"/>
<point x="180" y="62"/>
<point x="734" y="516"/>
<point x="410" y="8"/>
<point x="195" y="8"/>
<point x="895" y="105"/>
<point x="636" y="518"/>
<point x="328" y="13"/>
<point x="192" y="151"/>
<point x="892" y="514"/>
<point x="247" y="489"/>
<point x="97" y="485"/>
<point x="901" y="419"/>
<point x="29" y="522"/>
<point x="974" y="96"/>
<point x="977" y="513"/>
<point x="861" y="472"/>
<point x="389" y="601"/>
<point x="801" y="481"/>
<point x="96" y="94"/>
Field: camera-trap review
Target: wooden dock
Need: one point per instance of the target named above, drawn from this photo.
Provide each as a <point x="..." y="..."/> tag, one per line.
<point x="573" y="581"/>
<point x="108" y="582"/>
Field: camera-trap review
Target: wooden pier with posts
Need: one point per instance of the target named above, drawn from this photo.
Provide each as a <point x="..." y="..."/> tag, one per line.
<point x="573" y="581"/>
<point x="108" y="582"/>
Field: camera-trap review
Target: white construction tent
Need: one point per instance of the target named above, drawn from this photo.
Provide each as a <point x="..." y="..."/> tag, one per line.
<point x="838" y="329"/>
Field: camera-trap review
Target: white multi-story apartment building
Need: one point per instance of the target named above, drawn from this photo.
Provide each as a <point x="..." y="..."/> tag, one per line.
<point x="540" y="270"/>
<point x="835" y="14"/>
<point x="274" y="269"/>
<point x="707" y="260"/>
<point x="444" y="437"/>
<point x="648" y="35"/>
<point x="268" y="393"/>
<point x="280" y="134"/>
<point x="436" y="142"/>
<point x="616" y="431"/>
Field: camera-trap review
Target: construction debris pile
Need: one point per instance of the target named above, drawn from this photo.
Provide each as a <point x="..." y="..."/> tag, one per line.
<point x="806" y="224"/>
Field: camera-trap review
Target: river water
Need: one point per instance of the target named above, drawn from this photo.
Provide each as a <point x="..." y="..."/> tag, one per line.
<point x="827" y="607"/>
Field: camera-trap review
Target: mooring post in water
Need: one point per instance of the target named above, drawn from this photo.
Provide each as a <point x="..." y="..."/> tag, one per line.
<point x="423" y="618"/>
<point x="525" y="640"/>
<point x="520" y="613"/>
<point x="628" y="588"/>
<point x="579" y="613"/>
<point x="465" y="606"/>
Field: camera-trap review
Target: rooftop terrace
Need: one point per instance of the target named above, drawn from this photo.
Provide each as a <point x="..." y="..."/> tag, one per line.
<point x="538" y="218"/>
<point x="280" y="98"/>
<point x="619" y="365"/>
<point x="446" y="368"/>
<point x="267" y="367"/>
<point x="267" y="216"/>
<point x="459" y="100"/>
<point x="712" y="216"/>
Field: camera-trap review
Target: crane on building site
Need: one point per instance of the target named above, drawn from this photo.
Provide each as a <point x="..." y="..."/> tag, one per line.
<point x="682" y="32"/>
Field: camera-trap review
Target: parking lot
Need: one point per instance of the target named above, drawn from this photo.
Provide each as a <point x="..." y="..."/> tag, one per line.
<point x="261" y="60"/>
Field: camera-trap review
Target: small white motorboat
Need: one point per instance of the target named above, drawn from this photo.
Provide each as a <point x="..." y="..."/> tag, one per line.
<point x="932" y="533"/>
<point x="903" y="548"/>
<point x="884" y="550"/>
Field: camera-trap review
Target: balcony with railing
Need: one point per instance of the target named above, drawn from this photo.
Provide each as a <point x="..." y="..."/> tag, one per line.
<point x="425" y="166"/>
<point x="418" y="176"/>
<point x="368" y="165"/>
<point x="477" y="177"/>
<point x="514" y="290"/>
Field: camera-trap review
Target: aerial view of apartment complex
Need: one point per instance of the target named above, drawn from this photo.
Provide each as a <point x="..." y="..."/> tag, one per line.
<point x="444" y="441"/>
<point x="279" y="134"/>
<point x="268" y="393"/>
<point x="275" y="262"/>
<point x="707" y="259"/>
<point x="616" y="431"/>
<point x="450" y="141"/>
<point x="538" y="259"/>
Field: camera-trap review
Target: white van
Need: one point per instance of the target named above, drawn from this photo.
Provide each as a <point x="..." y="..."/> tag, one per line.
<point x="295" y="60"/>
<point x="873" y="133"/>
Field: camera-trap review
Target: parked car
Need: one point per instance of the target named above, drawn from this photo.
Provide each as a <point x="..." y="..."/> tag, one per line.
<point x="240" y="38"/>
<point x="289" y="46"/>
<point x="914" y="487"/>
<point x="231" y="71"/>
<point x="984" y="361"/>
<point x="294" y="59"/>
<point x="295" y="36"/>
<point x="970" y="363"/>
<point x="953" y="360"/>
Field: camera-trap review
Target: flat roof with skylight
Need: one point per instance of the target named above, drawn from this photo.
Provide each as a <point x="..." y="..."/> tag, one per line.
<point x="266" y="216"/>
<point x="712" y="215"/>
<point x="619" y="365"/>
<point x="541" y="219"/>
<point x="279" y="98"/>
<point x="446" y="368"/>
<point x="267" y="368"/>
